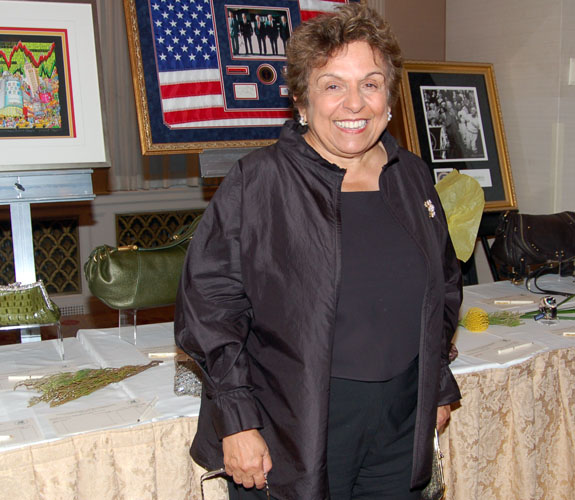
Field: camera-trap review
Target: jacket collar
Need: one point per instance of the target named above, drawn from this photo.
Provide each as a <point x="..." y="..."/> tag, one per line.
<point x="391" y="146"/>
<point x="291" y="137"/>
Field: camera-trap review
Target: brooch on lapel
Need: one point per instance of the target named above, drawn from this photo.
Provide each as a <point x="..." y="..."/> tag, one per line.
<point x="430" y="208"/>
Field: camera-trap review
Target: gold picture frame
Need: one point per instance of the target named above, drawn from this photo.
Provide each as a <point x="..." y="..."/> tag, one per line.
<point x="449" y="114"/>
<point x="217" y="94"/>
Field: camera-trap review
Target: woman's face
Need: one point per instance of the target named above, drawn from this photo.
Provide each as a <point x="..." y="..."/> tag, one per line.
<point x="347" y="104"/>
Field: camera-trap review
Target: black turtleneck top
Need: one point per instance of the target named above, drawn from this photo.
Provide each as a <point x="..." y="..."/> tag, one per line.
<point x="383" y="275"/>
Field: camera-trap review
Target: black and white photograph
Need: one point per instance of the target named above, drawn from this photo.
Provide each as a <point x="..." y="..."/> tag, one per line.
<point x="454" y="125"/>
<point x="450" y="116"/>
<point x="258" y="32"/>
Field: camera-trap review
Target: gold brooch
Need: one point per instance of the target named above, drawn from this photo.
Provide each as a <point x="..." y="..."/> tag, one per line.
<point x="430" y="208"/>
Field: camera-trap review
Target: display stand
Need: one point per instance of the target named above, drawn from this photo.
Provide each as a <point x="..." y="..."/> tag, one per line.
<point x="20" y="190"/>
<point x="128" y="325"/>
<point x="35" y="335"/>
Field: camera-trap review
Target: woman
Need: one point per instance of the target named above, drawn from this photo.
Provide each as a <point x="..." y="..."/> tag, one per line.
<point x="321" y="290"/>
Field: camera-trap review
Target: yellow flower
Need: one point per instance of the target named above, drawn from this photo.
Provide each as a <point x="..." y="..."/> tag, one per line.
<point x="476" y="320"/>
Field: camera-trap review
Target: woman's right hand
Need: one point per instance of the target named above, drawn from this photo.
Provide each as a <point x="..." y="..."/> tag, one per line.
<point x="247" y="458"/>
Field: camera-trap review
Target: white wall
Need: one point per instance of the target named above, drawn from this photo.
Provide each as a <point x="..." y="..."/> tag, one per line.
<point x="419" y="26"/>
<point x="566" y="150"/>
<point x="529" y="43"/>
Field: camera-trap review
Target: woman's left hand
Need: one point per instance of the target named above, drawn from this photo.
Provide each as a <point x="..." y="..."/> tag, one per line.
<point x="443" y="414"/>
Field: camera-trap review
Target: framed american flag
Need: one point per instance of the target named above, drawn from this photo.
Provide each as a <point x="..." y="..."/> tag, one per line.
<point x="207" y="74"/>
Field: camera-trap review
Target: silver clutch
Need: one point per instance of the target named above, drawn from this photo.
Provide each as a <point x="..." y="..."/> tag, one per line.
<point x="187" y="379"/>
<point x="435" y="490"/>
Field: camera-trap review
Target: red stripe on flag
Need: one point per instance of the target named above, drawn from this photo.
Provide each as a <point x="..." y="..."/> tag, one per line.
<point x="190" y="89"/>
<point x="308" y="14"/>
<point x="195" y="115"/>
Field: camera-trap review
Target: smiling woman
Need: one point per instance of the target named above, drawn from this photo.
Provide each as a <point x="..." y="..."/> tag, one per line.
<point x="321" y="290"/>
<point x="347" y="111"/>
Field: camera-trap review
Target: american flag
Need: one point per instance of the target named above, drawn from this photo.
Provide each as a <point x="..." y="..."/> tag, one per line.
<point x="186" y="56"/>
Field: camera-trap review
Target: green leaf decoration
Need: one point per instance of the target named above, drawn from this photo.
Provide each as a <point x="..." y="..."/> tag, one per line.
<point x="60" y="388"/>
<point x="505" y="318"/>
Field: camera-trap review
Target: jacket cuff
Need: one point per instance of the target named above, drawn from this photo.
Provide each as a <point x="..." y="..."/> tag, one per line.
<point x="448" y="388"/>
<point x="236" y="411"/>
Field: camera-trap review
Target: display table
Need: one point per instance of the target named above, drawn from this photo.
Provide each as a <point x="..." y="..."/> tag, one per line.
<point x="99" y="446"/>
<point x="513" y="437"/>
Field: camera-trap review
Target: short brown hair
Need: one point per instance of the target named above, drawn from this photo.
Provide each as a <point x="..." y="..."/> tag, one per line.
<point x="316" y="40"/>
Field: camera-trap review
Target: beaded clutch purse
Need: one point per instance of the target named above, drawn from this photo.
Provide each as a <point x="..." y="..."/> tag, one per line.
<point x="436" y="487"/>
<point x="27" y="304"/>
<point x="187" y="379"/>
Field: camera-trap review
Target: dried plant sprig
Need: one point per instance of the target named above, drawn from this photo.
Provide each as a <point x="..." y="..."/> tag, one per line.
<point x="505" y="318"/>
<point x="60" y="388"/>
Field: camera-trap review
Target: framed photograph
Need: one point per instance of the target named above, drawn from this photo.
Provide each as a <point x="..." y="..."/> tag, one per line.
<point x="452" y="119"/>
<point x="208" y="75"/>
<point x="51" y="112"/>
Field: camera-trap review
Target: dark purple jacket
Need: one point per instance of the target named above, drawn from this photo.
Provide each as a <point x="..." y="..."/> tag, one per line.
<point x="257" y="305"/>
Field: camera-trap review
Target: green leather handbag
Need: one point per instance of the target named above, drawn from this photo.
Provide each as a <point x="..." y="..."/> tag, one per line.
<point x="27" y="304"/>
<point x="138" y="278"/>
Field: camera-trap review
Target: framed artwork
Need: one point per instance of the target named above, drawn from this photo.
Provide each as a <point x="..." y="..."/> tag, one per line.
<point x="207" y="75"/>
<point x="51" y="112"/>
<point x="452" y="119"/>
<point x="35" y="88"/>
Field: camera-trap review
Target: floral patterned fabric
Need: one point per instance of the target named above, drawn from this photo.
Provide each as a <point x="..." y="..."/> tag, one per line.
<point x="149" y="461"/>
<point x="513" y="438"/>
<point x="514" y="435"/>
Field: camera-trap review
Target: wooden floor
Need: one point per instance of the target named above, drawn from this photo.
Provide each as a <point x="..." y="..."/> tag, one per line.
<point x="104" y="318"/>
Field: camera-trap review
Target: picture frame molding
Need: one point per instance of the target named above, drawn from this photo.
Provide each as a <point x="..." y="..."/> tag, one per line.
<point x="148" y="145"/>
<point x="90" y="148"/>
<point x="411" y="135"/>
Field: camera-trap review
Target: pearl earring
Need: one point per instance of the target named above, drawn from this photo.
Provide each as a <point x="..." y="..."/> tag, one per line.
<point x="302" y="121"/>
<point x="389" y="115"/>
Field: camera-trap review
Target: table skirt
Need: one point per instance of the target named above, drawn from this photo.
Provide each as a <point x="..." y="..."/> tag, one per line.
<point x="514" y="435"/>
<point x="512" y="438"/>
<point x="146" y="462"/>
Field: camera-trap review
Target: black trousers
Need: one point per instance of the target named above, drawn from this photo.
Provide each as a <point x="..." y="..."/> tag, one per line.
<point x="370" y="440"/>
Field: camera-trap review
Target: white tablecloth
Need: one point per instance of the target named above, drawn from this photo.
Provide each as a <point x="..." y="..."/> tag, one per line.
<point x="150" y="391"/>
<point x="521" y="400"/>
<point x="513" y="436"/>
<point x="543" y="337"/>
<point x="95" y="447"/>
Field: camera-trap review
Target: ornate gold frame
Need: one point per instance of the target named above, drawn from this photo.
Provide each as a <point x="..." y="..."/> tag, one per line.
<point x="455" y="72"/>
<point x="148" y="146"/>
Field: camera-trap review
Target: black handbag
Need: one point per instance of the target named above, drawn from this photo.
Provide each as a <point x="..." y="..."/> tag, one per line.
<point x="525" y="242"/>
<point x="137" y="278"/>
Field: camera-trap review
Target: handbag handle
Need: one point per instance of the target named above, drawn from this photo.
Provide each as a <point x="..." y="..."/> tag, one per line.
<point x="219" y="472"/>
<point x="535" y="275"/>
<point x="182" y="236"/>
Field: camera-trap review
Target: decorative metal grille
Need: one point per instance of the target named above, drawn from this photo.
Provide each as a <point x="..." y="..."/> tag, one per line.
<point x="56" y="254"/>
<point x="7" y="272"/>
<point x="151" y="229"/>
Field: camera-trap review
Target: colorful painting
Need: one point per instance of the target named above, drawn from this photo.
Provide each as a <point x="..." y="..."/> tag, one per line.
<point x="35" y="86"/>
